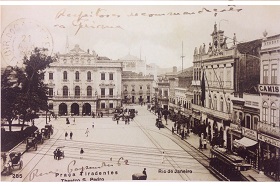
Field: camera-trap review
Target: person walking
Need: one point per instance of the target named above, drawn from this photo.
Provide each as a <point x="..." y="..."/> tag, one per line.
<point x="172" y="130"/>
<point x="71" y="135"/>
<point x="87" y="131"/>
<point x="73" y="121"/>
<point x="92" y="124"/>
<point x="118" y="121"/>
<point x="66" y="134"/>
<point x="81" y="153"/>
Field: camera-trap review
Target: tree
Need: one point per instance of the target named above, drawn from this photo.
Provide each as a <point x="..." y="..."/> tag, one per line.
<point x="34" y="92"/>
<point x="28" y="94"/>
<point x="10" y="89"/>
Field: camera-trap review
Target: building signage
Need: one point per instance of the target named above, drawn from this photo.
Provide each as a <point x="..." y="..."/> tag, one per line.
<point x="269" y="140"/>
<point x="252" y="134"/>
<point x="274" y="89"/>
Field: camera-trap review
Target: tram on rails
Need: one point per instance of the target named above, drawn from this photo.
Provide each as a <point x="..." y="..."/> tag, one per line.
<point x="228" y="166"/>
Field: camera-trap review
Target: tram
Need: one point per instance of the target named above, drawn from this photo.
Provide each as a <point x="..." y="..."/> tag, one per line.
<point x="228" y="166"/>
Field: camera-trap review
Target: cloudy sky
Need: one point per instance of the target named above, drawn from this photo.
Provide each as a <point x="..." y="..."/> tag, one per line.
<point x="134" y="28"/>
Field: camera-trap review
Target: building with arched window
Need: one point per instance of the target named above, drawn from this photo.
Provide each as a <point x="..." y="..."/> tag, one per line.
<point x="82" y="82"/>
<point x="269" y="124"/>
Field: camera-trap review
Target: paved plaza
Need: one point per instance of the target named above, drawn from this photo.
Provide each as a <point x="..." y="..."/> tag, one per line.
<point x="111" y="152"/>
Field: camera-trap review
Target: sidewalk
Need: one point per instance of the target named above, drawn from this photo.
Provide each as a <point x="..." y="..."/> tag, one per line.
<point x="193" y="139"/>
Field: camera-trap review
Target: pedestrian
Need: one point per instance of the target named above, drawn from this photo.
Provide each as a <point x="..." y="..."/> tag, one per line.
<point x="162" y="157"/>
<point x="71" y="135"/>
<point x="144" y="172"/>
<point x="98" y="114"/>
<point x="73" y="121"/>
<point x="92" y="124"/>
<point x="54" y="154"/>
<point x="182" y="134"/>
<point x="117" y="121"/>
<point x="172" y="130"/>
<point x="81" y="153"/>
<point x="128" y="121"/>
<point x="66" y="134"/>
<point x="87" y="131"/>
<point x="101" y="114"/>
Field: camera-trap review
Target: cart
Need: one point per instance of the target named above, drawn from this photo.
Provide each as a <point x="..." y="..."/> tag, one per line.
<point x="31" y="142"/>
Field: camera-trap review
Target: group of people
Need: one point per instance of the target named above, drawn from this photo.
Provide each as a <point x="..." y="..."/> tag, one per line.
<point x="66" y="134"/>
<point x="99" y="114"/>
<point x="57" y="154"/>
<point x="181" y="131"/>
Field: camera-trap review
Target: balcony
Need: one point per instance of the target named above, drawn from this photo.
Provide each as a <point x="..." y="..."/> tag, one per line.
<point x="89" y="97"/>
<point x="216" y="113"/>
<point x="196" y="82"/>
<point x="269" y="130"/>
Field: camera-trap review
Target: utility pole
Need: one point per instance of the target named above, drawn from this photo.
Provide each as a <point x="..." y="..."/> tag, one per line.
<point x="182" y="56"/>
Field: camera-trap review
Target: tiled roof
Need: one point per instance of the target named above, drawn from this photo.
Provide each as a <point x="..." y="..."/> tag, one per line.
<point x="251" y="47"/>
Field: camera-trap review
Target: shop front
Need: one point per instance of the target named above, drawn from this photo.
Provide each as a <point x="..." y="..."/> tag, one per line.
<point x="247" y="147"/>
<point x="269" y="148"/>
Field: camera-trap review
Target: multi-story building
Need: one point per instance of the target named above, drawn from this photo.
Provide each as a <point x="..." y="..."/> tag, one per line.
<point x="139" y="66"/>
<point x="220" y="72"/>
<point x="269" y="88"/>
<point x="82" y="82"/>
<point x="136" y="88"/>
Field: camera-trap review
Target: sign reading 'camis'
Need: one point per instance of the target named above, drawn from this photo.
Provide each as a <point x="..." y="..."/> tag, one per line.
<point x="274" y="89"/>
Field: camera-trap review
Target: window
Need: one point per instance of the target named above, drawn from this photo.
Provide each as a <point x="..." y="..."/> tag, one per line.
<point x="50" y="106"/>
<point x="141" y="87"/>
<point x="265" y="112"/>
<point x="111" y="76"/>
<point x="50" y="92"/>
<point x="255" y="122"/>
<point x="210" y="102"/>
<point x="228" y="105"/>
<point x="102" y="92"/>
<point x="273" y="120"/>
<point x="148" y="87"/>
<point x="166" y="93"/>
<point x="215" y="103"/>
<point x="222" y="105"/>
<point x="64" y="75"/>
<point x="102" y="76"/>
<point x="51" y="76"/>
<point x="77" y="91"/>
<point x="77" y="76"/>
<point x="273" y="74"/>
<point x="265" y="74"/>
<point x="194" y="76"/>
<point x="103" y="105"/>
<point x="111" y="105"/>
<point x="88" y="75"/>
<point x="125" y="87"/>
<point x="111" y="91"/>
<point x="65" y="91"/>
<point x="89" y="91"/>
<point x="248" y="122"/>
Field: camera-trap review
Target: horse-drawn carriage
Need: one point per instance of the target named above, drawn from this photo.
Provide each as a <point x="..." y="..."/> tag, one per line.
<point x="50" y="128"/>
<point x="58" y="153"/>
<point x="15" y="161"/>
<point x="31" y="142"/>
<point x="139" y="176"/>
<point x="46" y="133"/>
<point x="39" y="137"/>
<point x="159" y="123"/>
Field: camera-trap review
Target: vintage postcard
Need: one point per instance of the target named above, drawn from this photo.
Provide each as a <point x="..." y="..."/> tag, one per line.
<point x="140" y="92"/>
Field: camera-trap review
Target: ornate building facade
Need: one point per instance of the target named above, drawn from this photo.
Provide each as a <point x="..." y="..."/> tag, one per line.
<point x="82" y="82"/>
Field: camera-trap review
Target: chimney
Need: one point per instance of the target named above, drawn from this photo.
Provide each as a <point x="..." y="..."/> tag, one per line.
<point x="174" y="69"/>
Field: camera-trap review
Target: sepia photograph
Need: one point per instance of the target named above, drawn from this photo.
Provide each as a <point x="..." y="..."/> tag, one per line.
<point x="151" y="92"/>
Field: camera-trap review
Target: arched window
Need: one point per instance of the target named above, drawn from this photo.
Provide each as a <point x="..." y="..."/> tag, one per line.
<point x="222" y="104"/>
<point x="255" y="122"/>
<point x="265" y="112"/>
<point x="228" y="105"/>
<point x="89" y="91"/>
<point x="77" y="76"/>
<point x="65" y="91"/>
<point x="273" y="115"/>
<point x="88" y="75"/>
<point x="215" y="102"/>
<point x="248" y="121"/>
<point x="77" y="91"/>
<point x="65" y="75"/>
<point x="209" y="101"/>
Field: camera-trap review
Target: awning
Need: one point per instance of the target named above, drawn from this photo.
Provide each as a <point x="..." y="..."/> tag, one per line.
<point x="246" y="142"/>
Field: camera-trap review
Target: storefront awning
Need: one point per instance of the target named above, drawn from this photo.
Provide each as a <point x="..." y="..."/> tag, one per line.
<point x="246" y="142"/>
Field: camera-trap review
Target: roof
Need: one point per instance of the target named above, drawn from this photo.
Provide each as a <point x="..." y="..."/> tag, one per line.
<point x="130" y="58"/>
<point x="188" y="72"/>
<point x="251" y="47"/>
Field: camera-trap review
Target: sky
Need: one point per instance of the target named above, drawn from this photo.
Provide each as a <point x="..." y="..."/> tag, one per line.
<point x="136" y="29"/>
